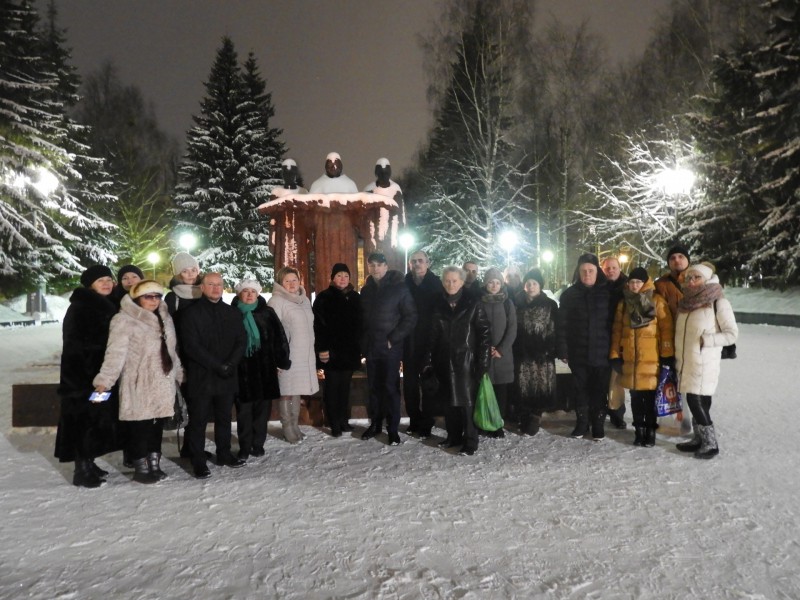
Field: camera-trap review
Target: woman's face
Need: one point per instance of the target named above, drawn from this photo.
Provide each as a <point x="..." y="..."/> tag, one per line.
<point x="189" y="275"/>
<point x="149" y="301"/>
<point x="694" y="280"/>
<point x="341" y="280"/>
<point x="129" y="280"/>
<point x="248" y="296"/>
<point x="103" y="286"/>
<point x="635" y="285"/>
<point x="291" y="283"/>
<point x="493" y="286"/>
<point x="532" y="288"/>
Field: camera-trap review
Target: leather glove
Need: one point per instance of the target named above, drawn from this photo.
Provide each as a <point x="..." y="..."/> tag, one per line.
<point x="616" y="364"/>
<point x="667" y="361"/>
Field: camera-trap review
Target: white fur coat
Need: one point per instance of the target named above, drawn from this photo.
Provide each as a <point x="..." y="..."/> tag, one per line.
<point x="294" y="311"/>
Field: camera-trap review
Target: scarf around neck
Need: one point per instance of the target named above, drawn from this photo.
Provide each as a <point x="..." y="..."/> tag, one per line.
<point x="699" y="297"/>
<point x="640" y="307"/>
<point x="253" y="334"/>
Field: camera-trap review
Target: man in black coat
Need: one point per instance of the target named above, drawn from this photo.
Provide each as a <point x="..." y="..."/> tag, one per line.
<point x="616" y="393"/>
<point x="425" y="288"/>
<point x="583" y="339"/>
<point x="213" y="340"/>
<point x="389" y="317"/>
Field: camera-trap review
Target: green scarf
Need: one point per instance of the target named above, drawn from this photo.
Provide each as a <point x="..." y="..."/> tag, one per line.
<point x="641" y="307"/>
<point x="253" y="334"/>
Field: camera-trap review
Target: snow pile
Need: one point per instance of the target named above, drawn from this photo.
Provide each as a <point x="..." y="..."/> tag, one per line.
<point x="326" y="201"/>
<point x="761" y="301"/>
<point x="547" y="516"/>
<point x="56" y="306"/>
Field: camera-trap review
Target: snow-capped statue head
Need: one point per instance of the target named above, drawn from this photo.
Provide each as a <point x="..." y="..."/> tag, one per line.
<point x="383" y="171"/>
<point x="333" y="165"/>
<point x="289" y="174"/>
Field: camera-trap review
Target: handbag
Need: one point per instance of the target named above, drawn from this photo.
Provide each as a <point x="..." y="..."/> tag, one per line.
<point x="180" y="418"/>
<point x="668" y="400"/>
<point x="487" y="414"/>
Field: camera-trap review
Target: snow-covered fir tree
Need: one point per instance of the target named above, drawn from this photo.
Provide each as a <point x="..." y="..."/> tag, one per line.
<point x="47" y="224"/>
<point x="231" y="163"/>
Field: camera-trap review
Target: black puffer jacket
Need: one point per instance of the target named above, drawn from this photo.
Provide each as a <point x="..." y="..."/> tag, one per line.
<point x="583" y="327"/>
<point x="258" y="375"/>
<point x="389" y="314"/>
<point x="460" y="347"/>
<point x="337" y="327"/>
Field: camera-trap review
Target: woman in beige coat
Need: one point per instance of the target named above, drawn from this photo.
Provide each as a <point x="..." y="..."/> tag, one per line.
<point x="293" y="308"/>
<point x="704" y="324"/>
<point x="141" y="354"/>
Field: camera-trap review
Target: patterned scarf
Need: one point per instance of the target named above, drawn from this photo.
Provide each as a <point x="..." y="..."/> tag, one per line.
<point x="253" y="334"/>
<point x="640" y="307"/>
<point x="698" y="297"/>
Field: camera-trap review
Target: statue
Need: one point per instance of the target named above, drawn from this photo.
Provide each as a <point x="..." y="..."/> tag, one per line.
<point x="334" y="181"/>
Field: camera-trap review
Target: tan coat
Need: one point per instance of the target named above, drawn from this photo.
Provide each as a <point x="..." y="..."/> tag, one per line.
<point x="133" y="355"/>
<point x="641" y="348"/>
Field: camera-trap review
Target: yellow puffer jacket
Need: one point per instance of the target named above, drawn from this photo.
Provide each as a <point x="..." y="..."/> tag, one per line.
<point x="641" y="348"/>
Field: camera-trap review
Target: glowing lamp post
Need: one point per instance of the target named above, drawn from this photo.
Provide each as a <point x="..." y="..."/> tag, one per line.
<point x="675" y="182"/>
<point x="508" y="241"/>
<point x="153" y="258"/>
<point x="406" y="243"/>
<point x="187" y="241"/>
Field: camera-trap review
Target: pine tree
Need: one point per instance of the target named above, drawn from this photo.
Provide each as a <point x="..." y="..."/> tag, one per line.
<point x="46" y="227"/>
<point x="225" y="174"/>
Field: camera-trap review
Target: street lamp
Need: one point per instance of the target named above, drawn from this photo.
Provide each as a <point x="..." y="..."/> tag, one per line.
<point x="153" y="258"/>
<point x="187" y="241"/>
<point x="675" y="182"/>
<point x="406" y="243"/>
<point x="508" y="241"/>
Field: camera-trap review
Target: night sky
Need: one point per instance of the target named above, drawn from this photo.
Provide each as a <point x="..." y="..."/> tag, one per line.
<point x="345" y="75"/>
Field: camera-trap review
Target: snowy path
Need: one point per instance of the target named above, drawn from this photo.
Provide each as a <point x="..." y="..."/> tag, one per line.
<point x="542" y="517"/>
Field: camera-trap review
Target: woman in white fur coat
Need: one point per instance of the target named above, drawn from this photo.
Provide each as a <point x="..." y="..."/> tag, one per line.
<point x="704" y="324"/>
<point x="293" y="308"/>
<point x="141" y="353"/>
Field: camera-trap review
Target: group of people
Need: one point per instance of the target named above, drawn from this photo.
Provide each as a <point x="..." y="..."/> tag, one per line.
<point x="130" y="348"/>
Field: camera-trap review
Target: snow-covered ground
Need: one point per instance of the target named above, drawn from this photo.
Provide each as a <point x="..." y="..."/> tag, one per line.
<point x="541" y="517"/>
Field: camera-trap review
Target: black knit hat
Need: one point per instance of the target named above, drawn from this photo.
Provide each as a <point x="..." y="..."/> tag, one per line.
<point x="589" y="258"/>
<point x="536" y="275"/>
<point x="339" y="268"/>
<point x="93" y="273"/>
<point x="639" y="273"/>
<point x="679" y="249"/>
<point x="129" y="269"/>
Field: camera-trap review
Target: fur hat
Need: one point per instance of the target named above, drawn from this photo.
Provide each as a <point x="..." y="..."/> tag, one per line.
<point x="148" y="286"/>
<point x="377" y="257"/>
<point x="639" y="273"/>
<point x="93" y="273"/>
<point x="678" y="249"/>
<point x="129" y="269"/>
<point x="183" y="260"/>
<point x="536" y="275"/>
<point x="705" y="269"/>
<point x="248" y="284"/>
<point x="340" y="268"/>
<point x="493" y="273"/>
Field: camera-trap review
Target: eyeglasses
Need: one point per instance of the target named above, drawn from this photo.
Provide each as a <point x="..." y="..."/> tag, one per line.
<point x="693" y="277"/>
<point x="151" y="296"/>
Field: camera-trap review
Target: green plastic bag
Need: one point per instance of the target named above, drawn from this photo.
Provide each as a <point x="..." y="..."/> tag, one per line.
<point x="487" y="414"/>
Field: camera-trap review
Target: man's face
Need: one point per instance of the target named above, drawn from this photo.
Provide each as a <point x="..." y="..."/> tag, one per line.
<point x="611" y="269"/>
<point x="212" y="287"/>
<point x="471" y="270"/>
<point x="452" y="282"/>
<point x="419" y="264"/>
<point x="333" y="168"/>
<point x="377" y="270"/>
<point x="678" y="263"/>
<point x="588" y="274"/>
<point x="341" y="280"/>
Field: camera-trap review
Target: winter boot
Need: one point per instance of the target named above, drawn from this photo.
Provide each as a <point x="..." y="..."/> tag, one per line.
<point x="708" y="447"/>
<point x="141" y="471"/>
<point x="154" y="465"/>
<point x="692" y="445"/>
<point x="101" y="473"/>
<point x="640" y="436"/>
<point x="84" y="474"/>
<point x="649" y="437"/>
<point x="533" y="425"/>
<point x="581" y="424"/>
<point x="598" y="427"/>
<point x="128" y="463"/>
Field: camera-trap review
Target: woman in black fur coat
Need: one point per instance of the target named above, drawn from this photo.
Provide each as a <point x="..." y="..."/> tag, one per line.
<point x="86" y="429"/>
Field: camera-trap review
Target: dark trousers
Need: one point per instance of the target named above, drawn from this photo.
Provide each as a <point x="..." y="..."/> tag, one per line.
<point x="336" y="397"/>
<point x="700" y="407"/>
<point x="383" y="378"/>
<point x="460" y="426"/>
<point x="643" y="407"/>
<point x="591" y="391"/>
<point x="144" y="437"/>
<point x="419" y="418"/>
<point x="252" y="419"/>
<point x="201" y="410"/>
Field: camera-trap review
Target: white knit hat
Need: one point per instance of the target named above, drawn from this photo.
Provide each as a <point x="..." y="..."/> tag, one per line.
<point x="183" y="260"/>
<point x="703" y="269"/>
<point x="248" y="284"/>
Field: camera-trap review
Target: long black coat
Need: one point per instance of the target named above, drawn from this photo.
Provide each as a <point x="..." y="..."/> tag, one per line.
<point x="460" y="348"/>
<point x="258" y="374"/>
<point x="584" y="324"/>
<point x="389" y="314"/>
<point x="425" y="296"/>
<point x="337" y="327"/>
<point x="85" y="428"/>
<point x="211" y="334"/>
<point x="535" y="349"/>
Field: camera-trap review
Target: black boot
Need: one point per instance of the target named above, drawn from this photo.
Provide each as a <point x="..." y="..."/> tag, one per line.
<point x="692" y="445"/>
<point x="84" y="475"/>
<point x="649" y="437"/>
<point x="533" y="425"/>
<point x="126" y="459"/>
<point x="371" y="431"/>
<point x="708" y="447"/>
<point x="640" y="436"/>
<point x="154" y="464"/>
<point x="101" y="473"/>
<point x="141" y="471"/>
<point x="581" y="424"/>
<point x="598" y="427"/>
